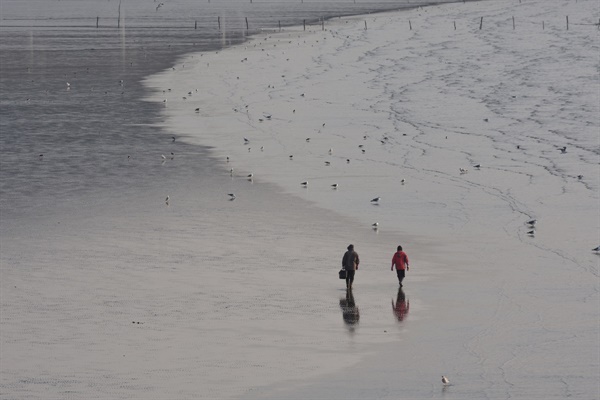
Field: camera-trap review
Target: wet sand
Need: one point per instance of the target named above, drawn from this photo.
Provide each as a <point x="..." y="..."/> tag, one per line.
<point x="206" y="297"/>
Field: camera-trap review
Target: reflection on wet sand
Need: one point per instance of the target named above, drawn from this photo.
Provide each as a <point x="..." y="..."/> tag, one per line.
<point x="400" y="309"/>
<point x="349" y="310"/>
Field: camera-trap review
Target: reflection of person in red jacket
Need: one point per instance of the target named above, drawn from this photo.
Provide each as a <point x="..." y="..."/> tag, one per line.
<point x="401" y="307"/>
<point x="400" y="260"/>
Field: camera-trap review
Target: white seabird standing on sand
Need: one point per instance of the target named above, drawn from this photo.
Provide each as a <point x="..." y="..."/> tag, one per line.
<point x="445" y="380"/>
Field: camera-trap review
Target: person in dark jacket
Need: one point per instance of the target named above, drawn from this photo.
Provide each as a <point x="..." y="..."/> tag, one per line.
<point x="350" y="263"/>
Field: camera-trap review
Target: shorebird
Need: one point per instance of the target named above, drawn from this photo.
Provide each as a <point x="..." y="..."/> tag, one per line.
<point x="403" y="181"/>
<point x="163" y="157"/>
<point x="477" y="166"/>
<point x="246" y="140"/>
<point x="173" y="137"/>
<point x="291" y="157"/>
<point x="375" y="225"/>
<point x="231" y="196"/>
<point x="445" y="380"/>
<point x="307" y="139"/>
<point x="531" y="233"/>
<point x="327" y="163"/>
<point x="597" y="249"/>
<point x="250" y="176"/>
<point x="330" y="151"/>
<point x="197" y="110"/>
<point x="563" y="149"/>
<point x="305" y="183"/>
<point x="531" y="222"/>
<point x="463" y="170"/>
<point x="167" y="200"/>
<point x="580" y="177"/>
<point x="376" y="200"/>
<point x="335" y="186"/>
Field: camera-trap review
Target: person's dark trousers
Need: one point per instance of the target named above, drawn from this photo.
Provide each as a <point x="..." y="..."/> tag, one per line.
<point x="400" y="273"/>
<point x="349" y="277"/>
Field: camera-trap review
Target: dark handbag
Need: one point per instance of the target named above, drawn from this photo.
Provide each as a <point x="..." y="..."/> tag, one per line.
<point x="342" y="273"/>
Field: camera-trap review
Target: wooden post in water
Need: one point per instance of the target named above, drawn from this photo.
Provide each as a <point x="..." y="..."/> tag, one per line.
<point x="409" y="25"/>
<point x="195" y="24"/>
<point x="219" y="22"/>
<point x="279" y="26"/>
<point x="119" y="21"/>
<point x="365" y="25"/>
<point x="247" y="27"/>
<point x="481" y="23"/>
<point x="513" y="23"/>
<point x="543" y="26"/>
<point x="567" y="22"/>
<point x="322" y="23"/>
<point x="304" y="24"/>
<point x="97" y="20"/>
<point x="454" y="25"/>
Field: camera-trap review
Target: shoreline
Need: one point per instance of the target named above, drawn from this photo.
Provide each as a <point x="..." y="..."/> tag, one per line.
<point x="279" y="89"/>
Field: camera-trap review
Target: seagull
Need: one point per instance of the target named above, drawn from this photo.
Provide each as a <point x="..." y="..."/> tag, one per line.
<point x="445" y="380"/>
<point x="531" y="233"/>
<point x="231" y="172"/>
<point x="330" y="151"/>
<point x="197" y="110"/>
<point x="68" y="85"/>
<point x="159" y="6"/>
<point x="376" y="200"/>
<point x="305" y="183"/>
<point x="163" y="157"/>
<point x="403" y="181"/>
<point x="335" y="186"/>
<point x="327" y="163"/>
<point x="307" y="139"/>
<point x="463" y="170"/>
<point x="291" y="157"/>
<point x="231" y="196"/>
<point x="563" y="149"/>
<point x="246" y="140"/>
<point x="597" y="249"/>
<point x="580" y="177"/>
<point x="173" y="137"/>
<point x="375" y="225"/>
<point x="532" y="222"/>
<point x="167" y="200"/>
<point x="250" y="176"/>
<point x="477" y="166"/>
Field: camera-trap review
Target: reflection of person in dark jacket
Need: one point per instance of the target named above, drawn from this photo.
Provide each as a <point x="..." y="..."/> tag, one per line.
<point x="401" y="307"/>
<point x="350" y="263"/>
<point x="349" y="309"/>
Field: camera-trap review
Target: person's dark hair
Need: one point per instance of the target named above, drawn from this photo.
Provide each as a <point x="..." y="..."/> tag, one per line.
<point x="399" y="248"/>
<point x="350" y="247"/>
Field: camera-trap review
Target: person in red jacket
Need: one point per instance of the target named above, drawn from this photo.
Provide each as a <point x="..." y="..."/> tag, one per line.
<point x="400" y="260"/>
